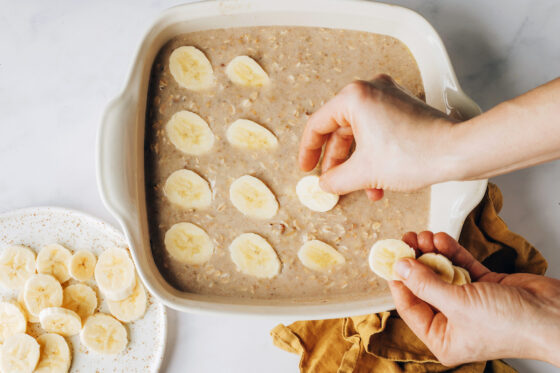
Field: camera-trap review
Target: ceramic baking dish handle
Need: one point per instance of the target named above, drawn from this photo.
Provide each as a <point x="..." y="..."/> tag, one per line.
<point x="458" y="101"/>
<point x="115" y="156"/>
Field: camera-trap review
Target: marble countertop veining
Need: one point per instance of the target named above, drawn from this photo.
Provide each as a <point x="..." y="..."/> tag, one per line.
<point x="61" y="61"/>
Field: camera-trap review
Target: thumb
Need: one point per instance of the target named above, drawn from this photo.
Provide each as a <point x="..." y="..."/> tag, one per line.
<point x="345" y="178"/>
<point x="425" y="283"/>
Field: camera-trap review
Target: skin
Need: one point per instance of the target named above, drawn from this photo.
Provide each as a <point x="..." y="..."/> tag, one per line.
<point x="402" y="144"/>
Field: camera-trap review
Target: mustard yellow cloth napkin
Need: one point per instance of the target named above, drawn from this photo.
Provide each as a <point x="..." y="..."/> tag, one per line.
<point x="382" y="342"/>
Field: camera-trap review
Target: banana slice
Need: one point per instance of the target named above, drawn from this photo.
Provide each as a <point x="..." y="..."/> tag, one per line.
<point x="246" y="134"/>
<point x="254" y="256"/>
<point x="189" y="133"/>
<point x="131" y="308"/>
<point x="82" y="265"/>
<point x="191" y="69"/>
<point x="53" y="260"/>
<point x="188" y="243"/>
<point x="313" y="197"/>
<point x="114" y="274"/>
<point x="460" y="276"/>
<point x="12" y="320"/>
<point x="29" y="317"/>
<point x="19" y="354"/>
<point x="319" y="256"/>
<point x="385" y="253"/>
<point x="187" y="189"/>
<point x="246" y="72"/>
<point x="103" y="334"/>
<point x="439" y="264"/>
<point x="61" y="321"/>
<point x="41" y="291"/>
<point x="55" y="354"/>
<point x="17" y="264"/>
<point x="81" y="299"/>
<point x="253" y="198"/>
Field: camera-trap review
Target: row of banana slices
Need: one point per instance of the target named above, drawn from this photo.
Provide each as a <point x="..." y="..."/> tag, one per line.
<point x="64" y="312"/>
<point x="385" y="253"/>
<point x="251" y="253"/>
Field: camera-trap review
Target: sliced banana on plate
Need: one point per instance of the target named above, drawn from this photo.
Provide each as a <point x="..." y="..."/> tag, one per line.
<point x="385" y="253"/>
<point x="253" y="198"/>
<point x="55" y="354"/>
<point x="28" y="315"/>
<point x="82" y="265"/>
<point x="41" y="291"/>
<point x="114" y="274"/>
<point x="460" y="276"/>
<point x="439" y="264"/>
<point x="12" y="320"/>
<point x="17" y="264"/>
<point x="188" y="190"/>
<point x="131" y="308"/>
<point x="254" y="256"/>
<point x="188" y="243"/>
<point x="245" y="71"/>
<point x="19" y="354"/>
<point x="246" y="134"/>
<point x="190" y="133"/>
<point x="103" y="334"/>
<point x="313" y="197"/>
<point x="319" y="256"/>
<point x="61" y="321"/>
<point x="81" y="299"/>
<point x="53" y="260"/>
<point x="191" y="69"/>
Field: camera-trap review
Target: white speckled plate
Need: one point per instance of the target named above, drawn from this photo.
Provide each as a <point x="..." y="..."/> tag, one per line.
<point x="35" y="227"/>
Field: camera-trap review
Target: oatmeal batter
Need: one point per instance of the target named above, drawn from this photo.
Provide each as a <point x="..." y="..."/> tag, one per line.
<point x="307" y="67"/>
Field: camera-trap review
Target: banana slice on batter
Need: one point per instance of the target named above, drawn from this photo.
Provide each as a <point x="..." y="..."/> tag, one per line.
<point x="188" y="244"/>
<point x="253" y="198"/>
<point x="191" y="68"/>
<point x="254" y="256"/>
<point x="319" y="256"/>
<point x="190" y="133"/>
<point x="439" y="264"/>
<point x="188" y="190"/>
<point x="313" y="197"/>
<point x="385" y="253"/>
<point x="246" y="72"/>
<point x="246" y="134"/>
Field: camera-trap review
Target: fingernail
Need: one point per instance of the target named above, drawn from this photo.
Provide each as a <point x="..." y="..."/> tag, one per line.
<point x="402" y="267"/>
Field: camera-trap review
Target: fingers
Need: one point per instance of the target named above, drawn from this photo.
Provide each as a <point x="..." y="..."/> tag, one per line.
<point x="417" y="314"/>
<point x="337" y="148"/>
<point x="329" y="118"/>
<point x="344" y="178"/>
<point x="449" y="247"/>
<point x="426" y="242"/>
<point x="425" y="283"/>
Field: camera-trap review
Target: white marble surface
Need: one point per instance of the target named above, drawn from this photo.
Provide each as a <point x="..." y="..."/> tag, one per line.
<point x="61" y="61"/>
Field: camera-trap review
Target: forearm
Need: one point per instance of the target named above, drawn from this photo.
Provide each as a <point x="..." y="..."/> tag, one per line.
<point x="518" y="133"/>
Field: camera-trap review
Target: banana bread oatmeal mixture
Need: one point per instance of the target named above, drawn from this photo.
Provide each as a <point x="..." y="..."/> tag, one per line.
<point x="230" y="213"/>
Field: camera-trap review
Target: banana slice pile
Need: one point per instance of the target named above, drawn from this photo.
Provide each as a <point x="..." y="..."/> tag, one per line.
<point x="385" y="253"/>
<point x="64" y="310"/>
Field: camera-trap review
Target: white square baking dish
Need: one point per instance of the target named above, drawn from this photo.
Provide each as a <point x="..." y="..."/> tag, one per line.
<point x="120" y="158"/>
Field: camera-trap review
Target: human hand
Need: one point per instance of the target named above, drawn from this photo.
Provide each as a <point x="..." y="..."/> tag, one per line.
<point x="496" y="316"/>
<point x="400" y="141"/>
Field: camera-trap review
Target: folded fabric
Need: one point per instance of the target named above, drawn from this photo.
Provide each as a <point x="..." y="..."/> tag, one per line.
<point x="382" y="342"/>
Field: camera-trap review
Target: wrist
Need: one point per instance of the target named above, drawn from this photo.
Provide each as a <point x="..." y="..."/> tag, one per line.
<point x="450" y="161"/>
<point x="548" y="342"/>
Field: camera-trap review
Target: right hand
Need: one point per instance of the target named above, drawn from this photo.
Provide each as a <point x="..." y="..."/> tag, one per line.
<point x="497" y="316"/>
<point x="400" y="141"/>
